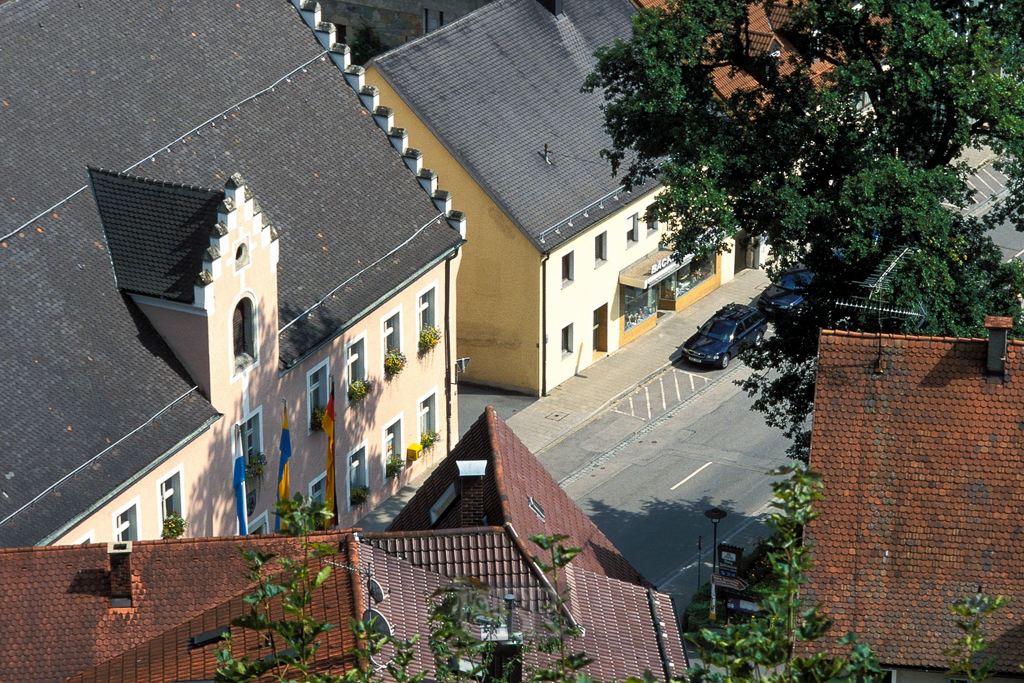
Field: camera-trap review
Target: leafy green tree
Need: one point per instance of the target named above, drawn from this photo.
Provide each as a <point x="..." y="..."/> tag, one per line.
<point x="965" y="653"/>
<point x="763" y="649"/>
<point x="459" y="655"/>
<point x="280" y="604"/>
<point x="790" y="153"/>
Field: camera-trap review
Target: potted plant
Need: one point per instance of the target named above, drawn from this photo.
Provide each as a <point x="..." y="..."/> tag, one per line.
<point x="358" y="496"/>
<point x="429" y="438"/>
<point x="255" y="467"/>
<point x="316" y="418"/>
<point x="394" y="361"/>
<point x="358" y="389"/>
<point x="393" y="467"/>
<point x="429" y="336"/>
<point x="174" y="525"/>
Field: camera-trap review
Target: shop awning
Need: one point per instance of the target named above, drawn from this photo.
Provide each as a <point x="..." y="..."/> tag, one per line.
<point x="652" y="269"/>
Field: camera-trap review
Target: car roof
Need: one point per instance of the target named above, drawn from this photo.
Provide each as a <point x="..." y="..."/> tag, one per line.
<point x="734" y="312"/>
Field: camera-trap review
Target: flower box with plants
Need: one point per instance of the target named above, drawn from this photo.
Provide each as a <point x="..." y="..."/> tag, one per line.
<point x="393" y="467"/>
<point x="358" y="389"/>
<point x="429" y="438"/>
<point x="255" y="467"/>
<point x="358" y="496"/>
<point x="316" y="419"/>
<point x="174" y="525"/>
<point x="429" y="336"/>
<point x="394" y="361"/>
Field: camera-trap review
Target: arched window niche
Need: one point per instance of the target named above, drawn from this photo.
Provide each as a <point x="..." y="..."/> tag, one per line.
<point x="243" y="334"/>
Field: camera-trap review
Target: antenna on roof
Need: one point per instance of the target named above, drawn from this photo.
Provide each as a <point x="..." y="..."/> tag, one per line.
<point x="878" y="284"/>
<point x="544" y="154"/>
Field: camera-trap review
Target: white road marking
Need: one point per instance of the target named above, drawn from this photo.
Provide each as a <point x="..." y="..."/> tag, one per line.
<point x="664" y="400"/>
<point x="692" y="388"/>
<point x="647" y="395"/>
<point x="675" y="378"/>
<point x="707" y="464"/>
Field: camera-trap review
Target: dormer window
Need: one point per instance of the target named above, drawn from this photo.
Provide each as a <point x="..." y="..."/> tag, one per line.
<point x="243" y="333"/>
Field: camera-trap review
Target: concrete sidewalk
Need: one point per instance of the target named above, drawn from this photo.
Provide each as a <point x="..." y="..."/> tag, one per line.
<point x="580" y="399"/>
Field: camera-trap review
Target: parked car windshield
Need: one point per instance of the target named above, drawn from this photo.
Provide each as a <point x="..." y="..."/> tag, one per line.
<point x="795" y="282"/>
<point x="722" y="330"/>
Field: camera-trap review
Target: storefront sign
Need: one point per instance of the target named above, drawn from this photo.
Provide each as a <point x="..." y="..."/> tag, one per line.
<point x="662" y="263"/>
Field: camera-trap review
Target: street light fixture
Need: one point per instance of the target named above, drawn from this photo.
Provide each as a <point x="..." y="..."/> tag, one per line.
<point x="716" y="515"/>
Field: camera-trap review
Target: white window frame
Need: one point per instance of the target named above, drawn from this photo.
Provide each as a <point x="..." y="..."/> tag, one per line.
<point x="567" y="340"/>
<point x="180" y="472"/>
<point x="652" y="225"/>
<point x="634" y="230"/>
<point x="420" y="307"/>
<point x="322" y="477"/>
<point x="257" y="411"/>
<point x="600" y="258"/>
<point x="365" y="448"/>
<point x="400" y="437"/>
<point x="262" y="518"/>
<point x="86" y="538"/>
<point x="395" y="312"/>
<point x="568" y="268"/>
<point x="324" y="365"/>
<point x="420" y="413"/>
<point x="134" y="502"/>
<point x="360" y="359"/>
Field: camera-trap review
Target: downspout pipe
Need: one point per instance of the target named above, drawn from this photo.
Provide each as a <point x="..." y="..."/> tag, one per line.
<point x="448" y="351"/>
<point x="544" y="324"/>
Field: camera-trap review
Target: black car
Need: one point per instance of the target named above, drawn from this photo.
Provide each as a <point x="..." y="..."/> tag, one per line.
<point x="729" y="331"/>
<point x="787" y="293"/>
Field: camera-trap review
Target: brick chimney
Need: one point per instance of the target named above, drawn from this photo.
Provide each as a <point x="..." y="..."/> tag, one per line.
<point x="471" y="481"/>
<point x="997" y="327"/>
<point x="120" y="554"/>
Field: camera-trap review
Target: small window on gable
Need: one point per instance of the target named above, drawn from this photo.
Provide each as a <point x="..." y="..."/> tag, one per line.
<point x="243" y="334"/>
<point x="425" y="307"/>
<point x="393" y="333"/>
<point x="355" y="360"/>
<point x="652" y="224"/>
<point x="241" y="256"/>
<point x="600" y="248"/>
<point x="567" y="269"/>
<point x="567" y="339"/>
<point x="317" y="393"/>
<point x="318" y="488"/>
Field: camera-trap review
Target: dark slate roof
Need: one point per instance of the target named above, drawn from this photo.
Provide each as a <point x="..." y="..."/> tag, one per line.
<point x="920" y="455"/>
<point x="498" y="134"/>
<point x="156" y="231"/>
<point x="513" y="478"/>
<point x="85" y="373"/>
<point x="350" y="215"/>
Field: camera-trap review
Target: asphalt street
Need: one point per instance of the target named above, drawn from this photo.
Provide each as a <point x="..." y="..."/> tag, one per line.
<point x="647" y="469"/>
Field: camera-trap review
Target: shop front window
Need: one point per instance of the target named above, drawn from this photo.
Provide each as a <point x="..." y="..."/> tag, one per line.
<point x="641" y="304"/>
<point x="687" y="277"/>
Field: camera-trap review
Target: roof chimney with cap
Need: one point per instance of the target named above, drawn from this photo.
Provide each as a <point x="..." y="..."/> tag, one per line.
<point x="471" y="479"/>
<point x="120" y="553"/>
<point x="553" y="6"/>
<point x="997" y="327"/>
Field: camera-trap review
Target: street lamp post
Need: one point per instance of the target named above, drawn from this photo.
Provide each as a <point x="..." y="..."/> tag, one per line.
<point x="716" y="515"/>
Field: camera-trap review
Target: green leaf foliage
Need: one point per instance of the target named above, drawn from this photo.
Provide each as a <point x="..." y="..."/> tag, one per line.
<point x="796" y="158"/>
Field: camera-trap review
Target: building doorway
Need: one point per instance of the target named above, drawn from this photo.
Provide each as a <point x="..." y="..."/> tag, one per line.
<point x="601" y="330"/>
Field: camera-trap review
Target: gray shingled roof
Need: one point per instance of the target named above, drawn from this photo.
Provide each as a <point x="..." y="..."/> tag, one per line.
<point x="156" y="231"/>
<point x="85" y="373"/>
<point x="498" y="84"/>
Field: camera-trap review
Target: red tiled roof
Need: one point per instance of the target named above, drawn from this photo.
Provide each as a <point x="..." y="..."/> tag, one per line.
<point x="56" y="600"/>
<point x="921" y="457"/>
<point x="513" y="477"/>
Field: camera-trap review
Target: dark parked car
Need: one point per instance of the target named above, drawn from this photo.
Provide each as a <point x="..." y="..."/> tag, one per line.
<point x="729" y="331"/>
<point x="787" y="293"/>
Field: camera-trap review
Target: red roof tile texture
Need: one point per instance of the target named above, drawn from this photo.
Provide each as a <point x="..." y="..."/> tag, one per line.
<point x="514" y="477"/>
<point x="921" y="457"/>
<point x="58" y="609"/>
